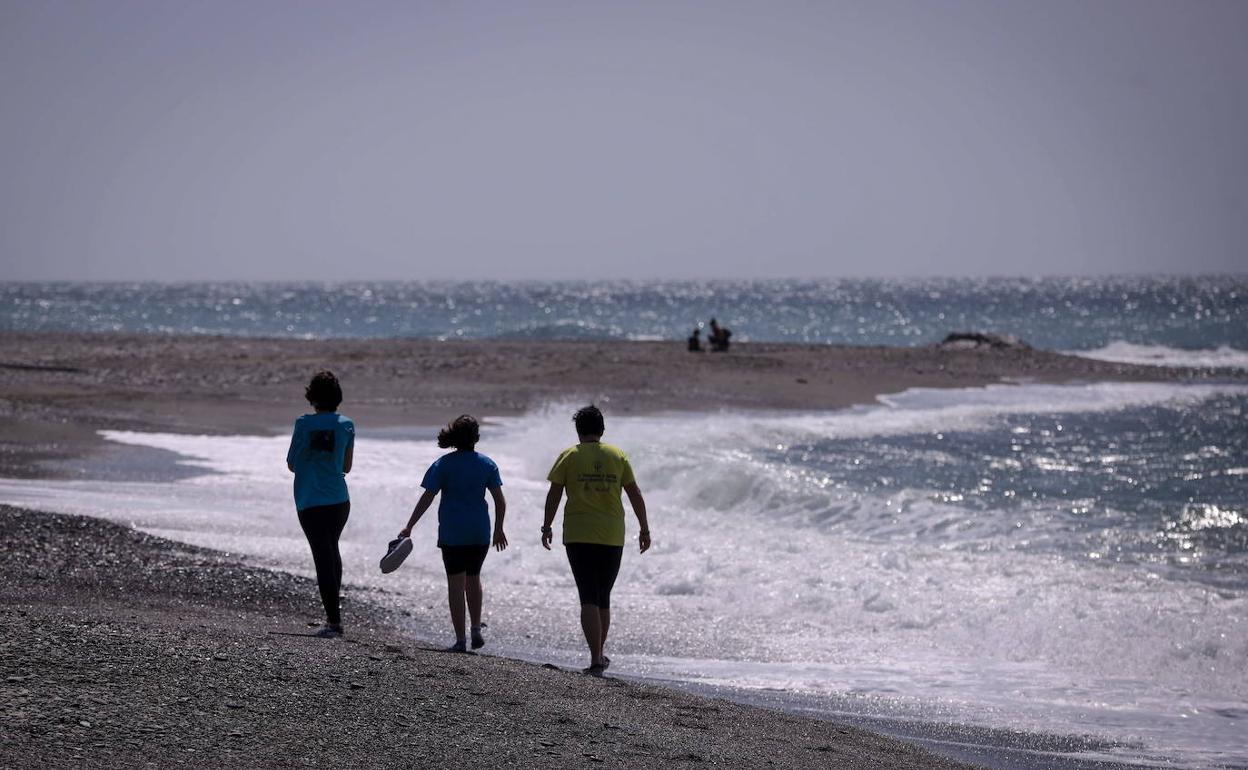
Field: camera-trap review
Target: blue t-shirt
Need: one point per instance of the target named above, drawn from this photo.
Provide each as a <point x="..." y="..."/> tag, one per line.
<point x="317" y="449"/>
<point x="462" y="478"/>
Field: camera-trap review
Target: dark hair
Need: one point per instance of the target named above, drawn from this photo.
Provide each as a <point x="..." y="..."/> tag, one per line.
<point x="589" y="421"/>
<point x="462" y="433"/>
<point x="324" y="392"/>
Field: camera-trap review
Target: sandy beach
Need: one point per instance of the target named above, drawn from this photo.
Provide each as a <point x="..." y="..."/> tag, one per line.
<point x="125" y="648"/>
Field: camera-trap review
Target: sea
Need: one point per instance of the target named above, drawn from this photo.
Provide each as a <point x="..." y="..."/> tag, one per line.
<point x="1023" y="574"/>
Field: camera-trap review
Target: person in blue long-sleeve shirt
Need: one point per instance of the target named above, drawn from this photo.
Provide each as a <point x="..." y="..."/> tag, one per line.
<point x="321" y="449"/>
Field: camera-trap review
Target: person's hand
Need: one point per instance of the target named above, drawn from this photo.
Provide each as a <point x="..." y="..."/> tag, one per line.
<point x="405" y="532"/>
<point x="500" y="540"/>
<point x="548" y="534"/>
<point x="643" y="540"/>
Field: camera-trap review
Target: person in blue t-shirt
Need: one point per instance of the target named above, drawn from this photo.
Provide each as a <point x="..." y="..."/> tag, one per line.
<point x="463" y="476"/>
<point x="320" y="454"/>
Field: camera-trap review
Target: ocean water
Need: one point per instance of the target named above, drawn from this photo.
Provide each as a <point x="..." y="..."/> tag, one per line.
<point x="1023" y="560"/>
<point x="1153" y="319"/>
<point x="1035" y="559"/>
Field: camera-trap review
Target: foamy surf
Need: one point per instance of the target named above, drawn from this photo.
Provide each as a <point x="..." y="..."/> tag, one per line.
<point x="1223" y="356"/>
<point x="772" y="573"/>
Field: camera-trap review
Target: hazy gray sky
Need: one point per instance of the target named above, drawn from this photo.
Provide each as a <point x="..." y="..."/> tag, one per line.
<point x="333" y="140"/>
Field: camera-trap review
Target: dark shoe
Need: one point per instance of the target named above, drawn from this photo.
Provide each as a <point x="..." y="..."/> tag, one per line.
<point x="396" y="552"/>
<point x="329" y="631"/>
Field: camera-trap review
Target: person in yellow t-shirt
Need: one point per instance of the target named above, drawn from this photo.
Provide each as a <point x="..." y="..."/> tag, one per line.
<point x="594" y="474"/>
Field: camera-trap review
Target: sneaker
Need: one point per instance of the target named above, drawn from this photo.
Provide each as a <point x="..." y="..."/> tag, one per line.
<point x="478" y="641"/>
<point x="598" y="671"/>
<point x="396" y="552"/>
<point x="329" y="631"/>
<point x="459" y="646"/>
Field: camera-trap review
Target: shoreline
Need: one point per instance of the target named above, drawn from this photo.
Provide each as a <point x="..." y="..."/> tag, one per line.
<point x="245" y="622"/>
<point x="102" y="662"/>
<point x="58" y="389"/>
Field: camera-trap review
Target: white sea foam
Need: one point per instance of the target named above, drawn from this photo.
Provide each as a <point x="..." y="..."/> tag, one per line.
<point x="764" y="576"/>
<point x="1160" y="355"/>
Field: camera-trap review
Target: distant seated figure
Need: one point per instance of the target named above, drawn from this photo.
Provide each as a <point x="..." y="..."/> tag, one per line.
<point x="718" y="338"/>
<point x="695" y="340"/>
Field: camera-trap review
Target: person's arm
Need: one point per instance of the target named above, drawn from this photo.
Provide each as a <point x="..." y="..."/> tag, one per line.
<point x="639" y="509"/>
<point x="552" y="507"/>
<point x="422" y="505"/>
<point x="500" y="512"/>
<point x="347" y="457"/>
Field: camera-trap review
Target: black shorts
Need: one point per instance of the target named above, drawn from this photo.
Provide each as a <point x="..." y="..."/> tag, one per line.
<point x="595" y="568"/>
<point x="464" y="558"/>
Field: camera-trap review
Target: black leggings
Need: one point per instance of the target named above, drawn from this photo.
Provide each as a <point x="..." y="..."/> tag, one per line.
<point x="322" y="524"/>
<point x="465" y="559"/>
<point x="595" y="567"/>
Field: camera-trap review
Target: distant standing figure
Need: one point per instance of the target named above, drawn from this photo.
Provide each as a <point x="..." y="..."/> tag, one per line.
<point x="594" y="474"/>
<point x="320" y="454"/>
<point x="695" y="340"/>
<point x="463" y="477"/>
<point x="719" y="337"/>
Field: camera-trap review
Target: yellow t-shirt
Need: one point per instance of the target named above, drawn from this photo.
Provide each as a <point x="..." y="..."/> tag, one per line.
<point x="593" y="475"/>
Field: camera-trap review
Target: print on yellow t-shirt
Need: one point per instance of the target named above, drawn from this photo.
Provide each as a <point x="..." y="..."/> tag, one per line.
<point x="594" y="475"/>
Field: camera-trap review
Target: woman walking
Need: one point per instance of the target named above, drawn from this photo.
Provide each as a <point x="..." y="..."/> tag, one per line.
<point x="463" y="477"/>
<point x="594" y="474"/>
<point x="320" y="454"/>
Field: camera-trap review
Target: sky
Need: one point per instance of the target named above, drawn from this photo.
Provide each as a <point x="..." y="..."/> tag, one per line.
<point x="308" y="140"/>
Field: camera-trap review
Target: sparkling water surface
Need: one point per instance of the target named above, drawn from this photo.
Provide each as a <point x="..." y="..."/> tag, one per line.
<point x="1162" y="485"/>
<point x="1085" y="314"/>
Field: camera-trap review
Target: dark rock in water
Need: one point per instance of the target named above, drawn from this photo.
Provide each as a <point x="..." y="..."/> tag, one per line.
<point x="979" y="340"/>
